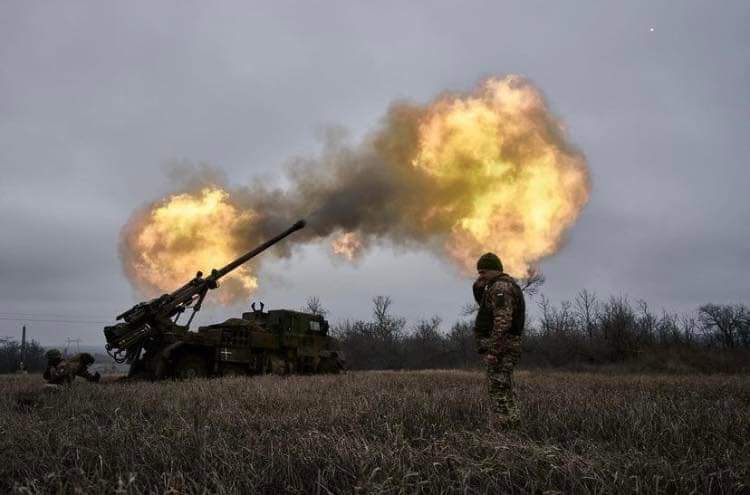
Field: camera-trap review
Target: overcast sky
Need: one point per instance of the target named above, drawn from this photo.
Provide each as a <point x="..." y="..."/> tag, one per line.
<point x="97" y="98"/>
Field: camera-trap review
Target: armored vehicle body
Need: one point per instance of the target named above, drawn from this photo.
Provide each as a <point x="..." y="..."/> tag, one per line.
<point x="278" y="341"/>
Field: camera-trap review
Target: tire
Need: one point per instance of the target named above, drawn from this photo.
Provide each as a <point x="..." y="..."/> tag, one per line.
<point x="191" y="365"/>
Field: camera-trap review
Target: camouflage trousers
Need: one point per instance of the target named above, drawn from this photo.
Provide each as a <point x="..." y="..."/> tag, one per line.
<point x="507" y="350"/>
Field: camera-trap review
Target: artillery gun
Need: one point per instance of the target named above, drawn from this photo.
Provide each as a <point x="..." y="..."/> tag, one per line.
<point x="156" y="346"/>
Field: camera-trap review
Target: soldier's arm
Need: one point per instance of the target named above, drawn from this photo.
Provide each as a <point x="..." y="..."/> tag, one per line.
<point x="501" y="298"/>
<point x="59" y="374"/>
<point x="83" y="371"/>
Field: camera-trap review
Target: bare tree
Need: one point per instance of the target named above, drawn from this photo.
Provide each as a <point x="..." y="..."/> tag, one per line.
<point x="461" y="342"/>
<point x="532" y="282"/>
<point x="586" y="308"/>
<point x="428" y="329"/>
<point x="688" y="326"/>
<point x="547" y="314"/>
<point x="380" y="307"/>
<point x="469" y="309"/>
<point x="565" y="323"/>
<point x="426" y="346"/>
<point x="726" y="323"/>
<point x="617" y="321"/>
<point x="387" y="326"/>
<point x="668" y="329"/>
<point x="743" y="319"/>
<point x="314" y="306"/>
<point x="646" y="324"/>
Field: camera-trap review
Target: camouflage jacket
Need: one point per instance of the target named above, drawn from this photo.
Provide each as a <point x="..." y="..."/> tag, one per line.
<point x="502" y="311"/>
<point x="66" y="370"/>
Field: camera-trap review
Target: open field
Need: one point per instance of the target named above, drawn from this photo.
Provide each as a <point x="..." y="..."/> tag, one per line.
<point x="378" y="432"/>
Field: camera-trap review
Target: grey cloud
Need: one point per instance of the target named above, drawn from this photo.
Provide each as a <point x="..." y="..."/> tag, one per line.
<point x="95" y="99"/>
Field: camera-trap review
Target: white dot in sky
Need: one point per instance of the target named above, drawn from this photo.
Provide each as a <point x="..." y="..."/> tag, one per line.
<point x="651" y="29"/>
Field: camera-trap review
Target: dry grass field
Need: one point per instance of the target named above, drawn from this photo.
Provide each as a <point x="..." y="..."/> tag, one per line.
<point x="378" y="432"/>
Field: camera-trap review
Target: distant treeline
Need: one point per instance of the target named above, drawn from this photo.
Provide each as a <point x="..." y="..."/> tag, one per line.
<point x="582" y="333"/>
<point x="10" y="356"/>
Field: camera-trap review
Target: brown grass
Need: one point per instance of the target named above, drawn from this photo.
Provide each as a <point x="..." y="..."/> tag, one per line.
<point x="378" y="432"/>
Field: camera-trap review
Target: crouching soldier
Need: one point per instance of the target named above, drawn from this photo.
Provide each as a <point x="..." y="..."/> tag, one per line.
<point x="62" y="371"/>
<point x="498" y="330"/>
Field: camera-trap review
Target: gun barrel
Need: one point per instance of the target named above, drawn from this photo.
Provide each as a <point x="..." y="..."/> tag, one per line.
<point x="251" y="254"/>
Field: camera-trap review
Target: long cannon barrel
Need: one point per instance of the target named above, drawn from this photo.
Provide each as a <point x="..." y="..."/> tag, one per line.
<point x="148" y="318"/>
<point x="217" y="274"/>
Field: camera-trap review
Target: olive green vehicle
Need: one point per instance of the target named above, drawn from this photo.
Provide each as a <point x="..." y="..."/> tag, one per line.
<point x="156" y="346"/>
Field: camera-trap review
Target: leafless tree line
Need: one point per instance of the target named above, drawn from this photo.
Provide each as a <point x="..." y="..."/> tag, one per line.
<point x="586" y="330"/>
<point x="628" y="328"/>
<point x="387" y="342"/>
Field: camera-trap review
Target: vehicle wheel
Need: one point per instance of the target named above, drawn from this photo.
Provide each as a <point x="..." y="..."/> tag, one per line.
<point x="191" y="365"/>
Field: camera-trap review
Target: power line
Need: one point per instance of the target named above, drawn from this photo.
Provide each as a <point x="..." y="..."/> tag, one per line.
<point x="97" y="322"/>
<point x="48" y="315"/>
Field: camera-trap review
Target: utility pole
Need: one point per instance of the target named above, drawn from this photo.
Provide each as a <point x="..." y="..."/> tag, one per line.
<point x="22" y="365"/>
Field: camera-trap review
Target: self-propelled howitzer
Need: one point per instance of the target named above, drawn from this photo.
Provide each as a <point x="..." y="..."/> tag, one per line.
<point x="156" y="346"/>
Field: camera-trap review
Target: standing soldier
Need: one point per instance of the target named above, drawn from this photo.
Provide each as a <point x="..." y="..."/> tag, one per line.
<point x="62" y="371"/>
<point x="498" y="329"/>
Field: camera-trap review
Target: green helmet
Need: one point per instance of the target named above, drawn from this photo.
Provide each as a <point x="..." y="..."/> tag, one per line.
<point x="53" y="355"/>
<point x="489" y="261"/>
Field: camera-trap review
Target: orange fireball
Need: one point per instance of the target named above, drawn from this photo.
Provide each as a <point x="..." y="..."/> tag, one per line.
<point x="185" y="233"/>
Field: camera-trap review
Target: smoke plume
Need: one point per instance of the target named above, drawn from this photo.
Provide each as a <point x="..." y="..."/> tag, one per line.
<point x="462" y="175"/>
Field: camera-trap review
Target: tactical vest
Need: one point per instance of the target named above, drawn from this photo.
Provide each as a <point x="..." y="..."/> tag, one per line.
<point x="485" y="319"/>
